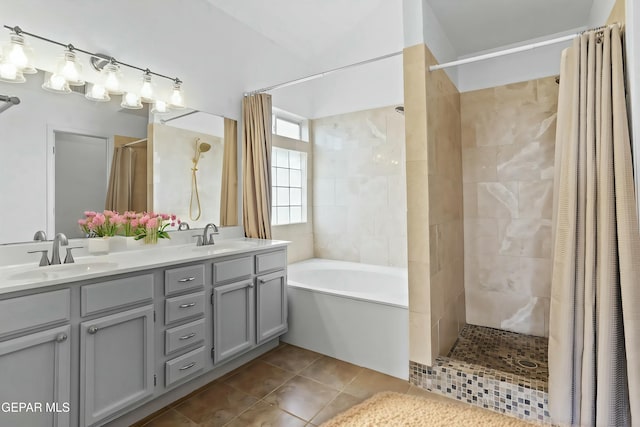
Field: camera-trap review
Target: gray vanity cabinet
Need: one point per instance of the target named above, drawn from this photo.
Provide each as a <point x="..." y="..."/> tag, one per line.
<point x="36" y="369"/>
<point x="233" y="319"/>
<point x="271" y="306"/>
<point x="116" y="362"/>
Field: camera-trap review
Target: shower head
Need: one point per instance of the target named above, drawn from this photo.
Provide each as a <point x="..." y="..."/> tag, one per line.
<point x="204" y="147"/>
<point x="400" y="109"/>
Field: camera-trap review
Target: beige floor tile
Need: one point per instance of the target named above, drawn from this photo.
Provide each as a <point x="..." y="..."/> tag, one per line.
<point x="291" y="358"/>
<point x="332" y="372"/>
<point x="218" y="404"/>
<point x="302" y="397"/>
<point x="369" y="382"/>
<point x="171" y="418"/>
<point x="264" y="414"/>
<point x="341" y="403"/>
<point x="259" y="379"/>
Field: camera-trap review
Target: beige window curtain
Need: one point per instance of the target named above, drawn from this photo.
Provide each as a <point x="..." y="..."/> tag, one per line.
<point x="120" y="189"/>
<point x="229" y="189"/>
<point x="594" y="337"/>
<point x="256" y="165"/>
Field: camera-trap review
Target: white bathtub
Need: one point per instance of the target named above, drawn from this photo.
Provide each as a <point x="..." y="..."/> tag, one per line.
<point x="350" y="311"/>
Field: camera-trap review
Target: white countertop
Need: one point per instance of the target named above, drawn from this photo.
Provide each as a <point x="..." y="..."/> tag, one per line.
<point x="22" y="277"/>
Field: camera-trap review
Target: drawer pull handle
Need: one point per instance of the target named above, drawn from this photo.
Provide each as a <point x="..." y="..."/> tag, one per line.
<point x="61" y="338"/>
<point x="189" y="366"/>
<point x="191" y="304"/>
<point x="187" y="279"/>
<point x="186" y="337"/>
<point x="93" y="329"/>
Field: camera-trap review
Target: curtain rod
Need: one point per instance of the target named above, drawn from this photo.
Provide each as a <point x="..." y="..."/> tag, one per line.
<point x="323" y="74"/>
<point x="515" y="49"/>
<point x="135" y="142"/>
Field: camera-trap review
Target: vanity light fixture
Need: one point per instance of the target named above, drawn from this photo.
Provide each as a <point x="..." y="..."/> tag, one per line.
<point x="176" y="100"/>
<point x="160" y="106"/>
<point x="16" y="60"/>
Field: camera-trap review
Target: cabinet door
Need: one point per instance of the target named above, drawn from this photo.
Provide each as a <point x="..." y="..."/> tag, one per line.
<point x="233" y="319"/>
<point x="35" y="369"/>
<point x="116" y="363"/>
<point x="271" y="306"/>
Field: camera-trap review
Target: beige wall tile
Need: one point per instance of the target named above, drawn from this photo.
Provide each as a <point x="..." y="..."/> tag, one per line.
<point x="535" y="199"/>
<point x="525" y="237"/>
<point x="420" y="338"/>
<point x="419" y="287"/>
<point x="479" y="164"/>
<point x="497" y="200"/>
<point x="448" y="329"/>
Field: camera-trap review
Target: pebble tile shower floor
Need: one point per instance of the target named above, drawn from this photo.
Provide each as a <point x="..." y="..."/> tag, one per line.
<point x="499" y="370"/>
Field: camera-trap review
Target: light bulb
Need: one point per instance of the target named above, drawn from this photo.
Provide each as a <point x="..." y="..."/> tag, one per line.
<point x="97" y="92"/>
<point x="176" y="100"/>
<point x="146" y="90"/>
<point x="19" y="54"/>
<point x="70" y="69"/>
<point x="112" y="79"/>
<point x="131" y="100"/>
<point x="160" y="106"/>
<point x="56" y="83"/>
<point x="9" y="73"/>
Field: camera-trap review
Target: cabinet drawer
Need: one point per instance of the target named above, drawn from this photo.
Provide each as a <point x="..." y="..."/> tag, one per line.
<point x="115" y="294"/>
<point x="183" y="336"/>
<point x="185" y="278"/>
<point x="183" y="307"/>
<point x="184" y="366"/>
<point x="31" y="311"/>
<point x="234" y="269"/>
<point x="271" y="261"/>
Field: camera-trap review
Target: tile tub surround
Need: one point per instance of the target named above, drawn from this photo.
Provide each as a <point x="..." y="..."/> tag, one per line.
<point x="288" y="386"/>
<point x="434" y="207"/>
<point x="359" y="193"/>
<point x="508" y="148"/>
<point x="482" y="369"/>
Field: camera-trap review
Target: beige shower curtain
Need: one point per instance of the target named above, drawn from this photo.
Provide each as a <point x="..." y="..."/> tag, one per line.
<point x="256" y="165"/>
<point x="594" y="337"/>
<point x="120" y="189"/>
<point x="229" y="190"/>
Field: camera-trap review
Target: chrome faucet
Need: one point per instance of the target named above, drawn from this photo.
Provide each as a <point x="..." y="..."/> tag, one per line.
<point x="207" y="239"/>
<point x="40" y="236"/>
<point x="60" y="239"/>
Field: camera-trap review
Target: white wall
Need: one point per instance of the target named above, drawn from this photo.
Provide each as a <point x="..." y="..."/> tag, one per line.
<point x="24" y="129"/>
<point x="600" y="11"/>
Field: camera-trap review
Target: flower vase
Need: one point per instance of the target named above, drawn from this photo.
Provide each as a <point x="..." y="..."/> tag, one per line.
<point x="98" y="245"/>
<point x="151" y="238"/>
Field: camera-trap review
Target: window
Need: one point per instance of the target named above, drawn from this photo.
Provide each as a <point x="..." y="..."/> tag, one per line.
<point x="288" y="186"/>
<point x="286" y="128"/>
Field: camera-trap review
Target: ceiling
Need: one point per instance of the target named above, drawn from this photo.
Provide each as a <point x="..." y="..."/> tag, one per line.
<point x="311" y="28"/>
<point x="472" y="25"/>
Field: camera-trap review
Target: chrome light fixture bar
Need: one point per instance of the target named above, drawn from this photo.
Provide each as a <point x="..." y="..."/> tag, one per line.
<point x="100" y="62"/>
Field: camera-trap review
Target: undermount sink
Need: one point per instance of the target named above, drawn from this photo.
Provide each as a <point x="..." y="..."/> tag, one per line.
<point x="63" y="270"/>
<point x="227" y="246"/>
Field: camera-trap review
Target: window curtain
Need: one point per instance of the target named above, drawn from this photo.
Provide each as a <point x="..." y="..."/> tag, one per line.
<point x="594" y="337"/>
<point x="120" y="188"/>
<point x="229" y="190"/>
<point x="256" y="165"/>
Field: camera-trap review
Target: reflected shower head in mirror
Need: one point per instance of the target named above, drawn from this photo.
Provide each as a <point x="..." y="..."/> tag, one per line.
<point x="194" y="202"/>
<point x="400" y="109"/>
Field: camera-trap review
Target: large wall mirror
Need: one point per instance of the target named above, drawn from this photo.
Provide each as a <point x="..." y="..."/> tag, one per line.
<point x="62" y="154"/>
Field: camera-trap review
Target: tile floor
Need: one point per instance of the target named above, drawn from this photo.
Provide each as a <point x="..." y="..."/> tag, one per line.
<point x="288" y="386"/>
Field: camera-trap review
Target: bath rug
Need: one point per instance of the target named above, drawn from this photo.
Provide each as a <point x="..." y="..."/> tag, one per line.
<point x="388" y="409"/>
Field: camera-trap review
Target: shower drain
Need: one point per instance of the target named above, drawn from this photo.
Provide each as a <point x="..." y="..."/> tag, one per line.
<point x="527" y="364"/>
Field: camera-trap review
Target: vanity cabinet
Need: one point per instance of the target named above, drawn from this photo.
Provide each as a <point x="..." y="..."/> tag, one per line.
<point x="233" y="319"/>
<point x="271" y="306"/>
<point x="116" y="363"/>
<point x="36" y="369"/>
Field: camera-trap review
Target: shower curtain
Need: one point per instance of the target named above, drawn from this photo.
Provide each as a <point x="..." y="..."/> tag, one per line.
<point x="120" y="189"/>
<point x="229" y="189"/>
<point x="256" y="166"/>
<point x="594" y="337"/>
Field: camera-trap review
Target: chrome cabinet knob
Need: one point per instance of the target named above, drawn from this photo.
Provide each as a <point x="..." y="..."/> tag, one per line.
<point x="61" y="337"/>
<point x="93" y="329"/>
